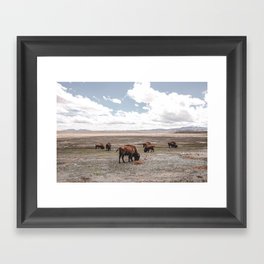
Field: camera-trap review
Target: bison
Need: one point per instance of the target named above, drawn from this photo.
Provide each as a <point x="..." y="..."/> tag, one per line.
<point x="108" y="146"/>
<point x="99" y="146"/>
<point x="149" y="148"/>
<point x="146" y="144"/>
<point x="172" y="144"/>
<point x="130" y="151"/>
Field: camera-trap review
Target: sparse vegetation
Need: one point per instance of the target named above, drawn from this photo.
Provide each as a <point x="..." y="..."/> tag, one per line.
<point x="79" y="161"/>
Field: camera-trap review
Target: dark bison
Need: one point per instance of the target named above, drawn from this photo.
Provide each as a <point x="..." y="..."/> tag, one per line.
<point x="130" y="151"/>
<point x="146" y="144"/>
<point x="108" y="146"/>
<point x="172" y="144"/>
<point x="99" y="146"/>
<point x="149" y="148"/>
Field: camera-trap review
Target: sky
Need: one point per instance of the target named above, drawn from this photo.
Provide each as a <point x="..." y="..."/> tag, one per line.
<point x="131" y="105"/>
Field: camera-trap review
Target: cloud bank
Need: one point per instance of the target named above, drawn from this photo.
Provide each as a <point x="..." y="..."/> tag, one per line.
<point x="161" y="110"/>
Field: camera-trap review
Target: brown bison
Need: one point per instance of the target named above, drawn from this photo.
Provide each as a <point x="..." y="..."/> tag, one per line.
<point x="146" y="144"/>
<point x="149" y="148"/>
<point x="108" y="146"/>
<point x="99" y="146"/>
<point x="130" y="151"/>
<point x="172" y="144"/>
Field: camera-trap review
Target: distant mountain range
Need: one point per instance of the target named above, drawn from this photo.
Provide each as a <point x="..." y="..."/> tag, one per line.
<point x="191" y="129"/>
<point x="176" y="130"/>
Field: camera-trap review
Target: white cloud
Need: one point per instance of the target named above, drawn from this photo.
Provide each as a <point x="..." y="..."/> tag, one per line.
<point x="162" y="110"/>
<point x="113" y="100"/>
<point x="74" y="112"/>
<point x="205" y="96"/>
<point x="170" y="109"/>
<point x="145" y="108"/>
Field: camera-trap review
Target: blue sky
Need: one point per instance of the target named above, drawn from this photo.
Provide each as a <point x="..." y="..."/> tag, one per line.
<point x="131" y="105"/>
<point x="97" y="91"/>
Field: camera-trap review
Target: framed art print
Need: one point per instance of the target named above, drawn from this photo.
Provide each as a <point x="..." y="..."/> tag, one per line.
<point x="131" y="131"/>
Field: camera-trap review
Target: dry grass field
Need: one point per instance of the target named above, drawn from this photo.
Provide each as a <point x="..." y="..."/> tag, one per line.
<point x="79" y="161"/>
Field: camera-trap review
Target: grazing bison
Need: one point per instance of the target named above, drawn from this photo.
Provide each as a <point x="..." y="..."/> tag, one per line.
<point x="108" y="146"/>
<point x="99" y="146"/>
<point x="146" y="144"/>
<point x="172" y="144"/>
<point x="149" y="148"/>
<point x="130" y="151"/>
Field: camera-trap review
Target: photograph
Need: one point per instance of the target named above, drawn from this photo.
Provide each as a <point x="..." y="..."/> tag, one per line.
<point x="132" y="132"/>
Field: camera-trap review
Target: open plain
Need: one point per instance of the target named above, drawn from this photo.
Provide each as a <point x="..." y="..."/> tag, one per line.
<point x="79" y="161"/>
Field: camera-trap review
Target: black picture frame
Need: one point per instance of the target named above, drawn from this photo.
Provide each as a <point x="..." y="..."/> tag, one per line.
<point x="29" y="48"/>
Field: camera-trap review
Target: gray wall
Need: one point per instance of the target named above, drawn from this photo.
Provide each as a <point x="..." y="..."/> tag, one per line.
<point x="133" y="17"/>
